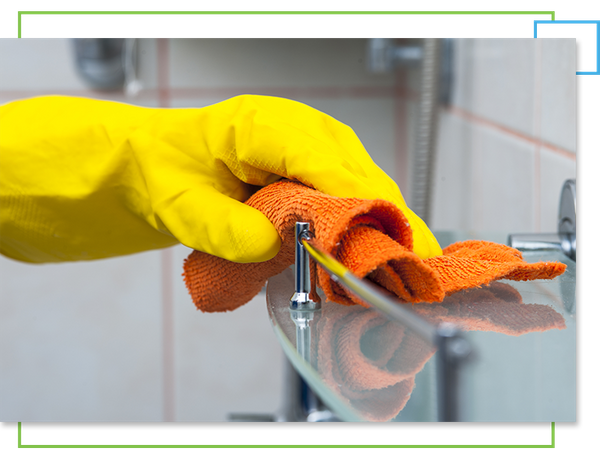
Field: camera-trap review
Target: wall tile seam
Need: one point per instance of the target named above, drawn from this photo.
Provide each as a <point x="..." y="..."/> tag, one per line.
<point x="351" y="92"/>
<point x="537" y="133"/>
<point x="167" y="301"/>
<point x="481" y="121"/>
<point x="291" y="91"/>
<point x="11" y="95"/>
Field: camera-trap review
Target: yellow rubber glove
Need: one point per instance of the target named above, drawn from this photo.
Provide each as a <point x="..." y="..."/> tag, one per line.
<point x="84" y="179"/>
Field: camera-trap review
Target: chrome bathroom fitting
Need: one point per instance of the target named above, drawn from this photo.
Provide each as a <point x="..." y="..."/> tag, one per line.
<point x="384" y="56"/>
<point x="453" y="349"/>
<point x="301" y="299"/>
<point x="565" y="239"/>
<point x="108" y="64"/>
<point x="302" y="306"/>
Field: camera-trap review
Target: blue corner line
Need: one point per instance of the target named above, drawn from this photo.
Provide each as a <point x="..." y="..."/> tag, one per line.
<point x="594" y="23"/>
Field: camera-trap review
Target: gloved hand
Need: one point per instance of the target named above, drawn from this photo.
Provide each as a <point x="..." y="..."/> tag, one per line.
<point x="85" y="179"/>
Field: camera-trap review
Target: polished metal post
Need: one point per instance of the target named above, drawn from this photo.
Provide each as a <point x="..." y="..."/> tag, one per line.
<point x="300" y="300"/>
<point x="302" y="307"/>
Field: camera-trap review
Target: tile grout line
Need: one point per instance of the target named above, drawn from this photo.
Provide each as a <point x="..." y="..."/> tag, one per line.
<point x="165" y="95"/>
<point x="537" y="133"/>
<point x="168" y="345"/>
<point x="476" y="174"/>
<point x="331" y="92"/>
<point x="326" y="92"/>
<point x="162" y="50"/>
<point x="469" y="116"/>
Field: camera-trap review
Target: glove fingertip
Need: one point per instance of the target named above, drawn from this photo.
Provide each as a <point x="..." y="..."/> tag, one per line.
<point x="255" y="242"/>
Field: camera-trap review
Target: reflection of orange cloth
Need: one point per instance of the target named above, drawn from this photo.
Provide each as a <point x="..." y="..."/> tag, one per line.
<point x="377" y="384"/>
<point x="371" y="363"/>
<point x="370" y="237"/>
<point x="495" y="308"/>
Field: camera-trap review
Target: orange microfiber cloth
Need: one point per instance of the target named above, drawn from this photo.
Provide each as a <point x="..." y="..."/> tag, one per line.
<point x="370" y="237"/>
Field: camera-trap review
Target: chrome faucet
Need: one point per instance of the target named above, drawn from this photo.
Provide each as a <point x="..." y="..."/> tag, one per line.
<point x="565" y="238"/>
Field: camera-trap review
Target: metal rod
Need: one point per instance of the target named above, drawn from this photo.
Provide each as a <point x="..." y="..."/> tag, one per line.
<point x="452" y="348"/>
<point x="371" y="294"/>
<point x="301" y="299"/>
<point x="535" y="242"/>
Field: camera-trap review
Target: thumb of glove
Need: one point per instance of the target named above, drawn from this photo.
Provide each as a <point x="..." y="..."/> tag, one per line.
<point x="198" y="204"/>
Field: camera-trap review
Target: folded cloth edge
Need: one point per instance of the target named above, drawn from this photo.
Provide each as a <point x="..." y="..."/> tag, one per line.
<point x="346" y="228"/>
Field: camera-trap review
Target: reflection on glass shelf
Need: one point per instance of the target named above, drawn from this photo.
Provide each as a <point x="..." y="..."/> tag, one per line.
<point x="370" y="362"/>
<point x="366" y="367"/>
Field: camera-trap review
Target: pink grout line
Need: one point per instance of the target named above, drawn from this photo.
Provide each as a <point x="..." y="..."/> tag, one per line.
<point x="167" y="94"/>
<point x="162" y="50"/>
<point x="476" y="175"/>
<point x="326" y="92"/>
<point x="460" y="112"/>
<point x="537" y="122"/>
<point x="25" y="93"/>
<point x="168" y="321"/>
<point x="168" y="345"/>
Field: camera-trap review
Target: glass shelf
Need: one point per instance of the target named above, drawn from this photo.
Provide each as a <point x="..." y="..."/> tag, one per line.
<point x="365" y="367"/>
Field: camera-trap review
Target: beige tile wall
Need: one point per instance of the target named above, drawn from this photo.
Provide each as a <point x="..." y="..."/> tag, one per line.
<point x="120" y="339"/>
<point x="507" y="141"/>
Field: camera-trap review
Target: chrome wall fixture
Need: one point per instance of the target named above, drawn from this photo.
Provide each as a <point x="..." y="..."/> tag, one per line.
<point x="384" y="55"/>
<point x="565" y="238"/>
<point x="453" y="350"/>
<point x="108" y="64"/>
<point x="302" y="306"/>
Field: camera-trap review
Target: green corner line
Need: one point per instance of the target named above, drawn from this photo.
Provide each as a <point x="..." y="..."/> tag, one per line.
<point x="22" y="445"/>
<point x="21" y="14"/>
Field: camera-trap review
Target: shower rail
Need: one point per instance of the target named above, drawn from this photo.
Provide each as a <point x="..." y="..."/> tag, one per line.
<point x="453" y="349"/>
